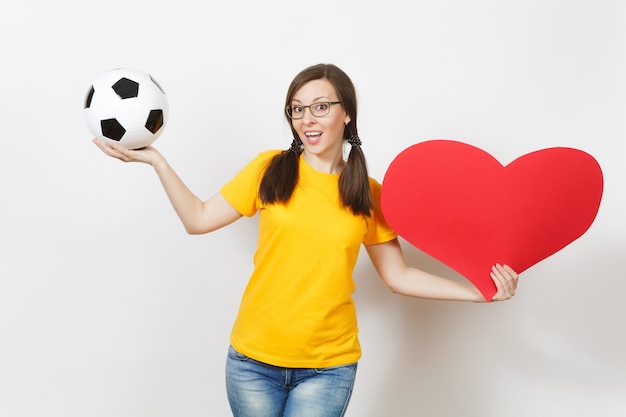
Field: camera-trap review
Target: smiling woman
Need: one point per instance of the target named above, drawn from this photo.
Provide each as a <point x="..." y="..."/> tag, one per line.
<point x="294" y="344"/>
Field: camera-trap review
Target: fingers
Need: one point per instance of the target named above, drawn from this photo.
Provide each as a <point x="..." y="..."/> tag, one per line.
<point x="505" y="279"/>
<point x="116" y="151"/>
<point x="109" y="149"/>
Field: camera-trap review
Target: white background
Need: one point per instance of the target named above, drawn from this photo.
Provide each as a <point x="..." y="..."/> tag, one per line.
<point x="107" y="307"/>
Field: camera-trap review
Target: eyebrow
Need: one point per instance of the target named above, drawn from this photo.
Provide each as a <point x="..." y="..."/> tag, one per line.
<point x="314" y="100"/>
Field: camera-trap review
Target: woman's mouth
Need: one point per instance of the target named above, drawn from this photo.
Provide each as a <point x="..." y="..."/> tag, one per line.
<point x="313" y="137"/>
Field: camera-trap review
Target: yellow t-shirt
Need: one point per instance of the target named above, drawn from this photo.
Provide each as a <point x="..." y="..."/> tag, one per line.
<point x="297" y="310"/>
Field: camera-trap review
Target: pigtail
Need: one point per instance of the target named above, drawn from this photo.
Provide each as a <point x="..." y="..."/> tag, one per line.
<point x="281" y="176"/>
<point x="354" y="186"/>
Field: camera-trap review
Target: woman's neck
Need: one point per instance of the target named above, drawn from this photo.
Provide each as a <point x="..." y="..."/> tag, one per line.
<point x="328" y="165"/>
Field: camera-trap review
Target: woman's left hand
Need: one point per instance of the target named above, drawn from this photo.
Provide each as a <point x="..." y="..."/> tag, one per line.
<point x="505" y="279"/>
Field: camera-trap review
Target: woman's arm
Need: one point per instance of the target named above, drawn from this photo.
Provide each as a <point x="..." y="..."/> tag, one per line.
<point x="401" y="279"/>
<point x="197" y="216"/>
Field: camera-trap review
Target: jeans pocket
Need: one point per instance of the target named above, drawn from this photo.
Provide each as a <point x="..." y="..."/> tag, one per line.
<point x="349" y="367"/>
<point x="233" y="354"/>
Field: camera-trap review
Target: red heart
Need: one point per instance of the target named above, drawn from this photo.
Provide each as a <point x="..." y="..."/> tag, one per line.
<point x="460" y="205"/>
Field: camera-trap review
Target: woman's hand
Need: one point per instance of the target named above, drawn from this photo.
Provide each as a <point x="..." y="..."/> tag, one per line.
<point x="147" y="155"/>
<point x="506" y="282"/>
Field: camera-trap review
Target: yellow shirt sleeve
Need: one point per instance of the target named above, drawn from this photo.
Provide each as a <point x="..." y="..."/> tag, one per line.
<point x="378" y="231"/>
<point x="242" y="191"/>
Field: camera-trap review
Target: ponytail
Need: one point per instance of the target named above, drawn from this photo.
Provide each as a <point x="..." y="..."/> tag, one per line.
<point x="281" y="175"/>
<point x="354" y="186"/>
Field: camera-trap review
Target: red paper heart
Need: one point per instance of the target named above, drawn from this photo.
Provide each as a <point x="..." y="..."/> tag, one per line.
<point x="460" y="205"/>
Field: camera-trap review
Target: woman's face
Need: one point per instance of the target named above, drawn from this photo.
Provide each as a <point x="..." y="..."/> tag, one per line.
<point x="322" y="136"/>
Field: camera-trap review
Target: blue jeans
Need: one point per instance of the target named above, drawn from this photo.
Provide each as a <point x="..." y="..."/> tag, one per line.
<point x="256" y="389"/>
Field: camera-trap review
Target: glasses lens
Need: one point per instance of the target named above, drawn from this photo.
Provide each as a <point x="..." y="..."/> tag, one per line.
<point x="320" y="109"/>
<point x="295" y="112"/>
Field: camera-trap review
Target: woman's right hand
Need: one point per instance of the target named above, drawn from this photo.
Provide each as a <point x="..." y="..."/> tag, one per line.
<point x="147" y="155"/>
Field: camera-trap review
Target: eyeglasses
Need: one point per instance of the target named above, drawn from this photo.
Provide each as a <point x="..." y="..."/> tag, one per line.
<point x="318" y="109"/>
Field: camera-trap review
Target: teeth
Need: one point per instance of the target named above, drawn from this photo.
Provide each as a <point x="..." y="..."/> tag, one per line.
<point x="312" y="134"/>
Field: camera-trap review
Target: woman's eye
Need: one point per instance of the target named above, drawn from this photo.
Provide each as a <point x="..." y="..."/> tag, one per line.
<point x="321" y="106"/>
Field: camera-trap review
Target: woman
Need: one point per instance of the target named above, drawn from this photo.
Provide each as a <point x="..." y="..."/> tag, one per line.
<point x="294" y="345"/>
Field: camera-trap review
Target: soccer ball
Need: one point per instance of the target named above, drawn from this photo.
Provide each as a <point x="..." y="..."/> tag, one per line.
<point x="127" y="106"/>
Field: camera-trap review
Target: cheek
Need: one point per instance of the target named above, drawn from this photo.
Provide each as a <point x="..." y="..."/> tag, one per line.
<point x="339" y="127"/>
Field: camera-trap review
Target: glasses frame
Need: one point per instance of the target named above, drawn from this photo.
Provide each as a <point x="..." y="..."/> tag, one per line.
<point x="289" y="106"/>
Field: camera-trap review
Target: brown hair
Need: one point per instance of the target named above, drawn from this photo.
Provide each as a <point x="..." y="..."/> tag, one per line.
<point x="281" y="175"/>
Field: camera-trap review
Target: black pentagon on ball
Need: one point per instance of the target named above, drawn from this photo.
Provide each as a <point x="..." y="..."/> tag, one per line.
<point x="112" y="129"/>
<point x="155" y="121"/>
<point x="89" y="97"/>
<point x="126" y="88"/>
